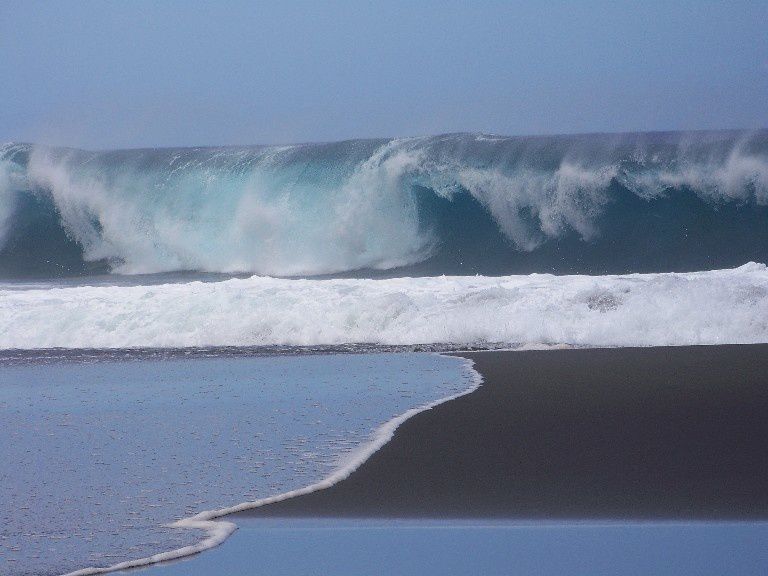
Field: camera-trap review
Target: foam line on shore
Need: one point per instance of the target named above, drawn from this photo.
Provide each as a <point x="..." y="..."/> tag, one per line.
<point x="219" y="530"/>
<point x="617" y="433"/>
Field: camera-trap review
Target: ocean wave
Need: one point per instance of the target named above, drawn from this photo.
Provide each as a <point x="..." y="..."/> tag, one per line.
<point x="716" y="307"/>
<point x="458" y="204"/>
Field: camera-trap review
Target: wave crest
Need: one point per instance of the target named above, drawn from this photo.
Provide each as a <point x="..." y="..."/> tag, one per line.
<point x="464" y="203"/>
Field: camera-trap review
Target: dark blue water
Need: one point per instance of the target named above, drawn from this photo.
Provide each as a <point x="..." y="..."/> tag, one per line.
<point x="452" y="204"/>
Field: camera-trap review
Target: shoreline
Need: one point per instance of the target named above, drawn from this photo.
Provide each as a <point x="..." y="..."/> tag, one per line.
<point x="668" y="433"/>
<point x="452" y="458"/>
<point x="218" y="529"/>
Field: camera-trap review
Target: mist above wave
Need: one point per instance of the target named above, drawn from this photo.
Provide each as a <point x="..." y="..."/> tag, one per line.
<point x="456" y="204"/>
<point x="717" y="307"/>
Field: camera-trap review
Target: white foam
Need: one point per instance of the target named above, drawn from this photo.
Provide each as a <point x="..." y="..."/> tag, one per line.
<point x="297" y="211"/>
<point x="217" y="533"/>
<point x="219" y="530"/>
<point x="715" y="307"/>
<point x="249" y="216"/>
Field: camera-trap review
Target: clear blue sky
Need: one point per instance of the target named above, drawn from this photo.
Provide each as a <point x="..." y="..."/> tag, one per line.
<point x="134" y="73"/>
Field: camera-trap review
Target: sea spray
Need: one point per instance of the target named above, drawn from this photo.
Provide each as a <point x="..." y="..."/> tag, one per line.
<point x="451" y="204"/>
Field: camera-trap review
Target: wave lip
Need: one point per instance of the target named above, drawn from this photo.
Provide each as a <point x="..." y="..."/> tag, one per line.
<point x="715" y="307"/>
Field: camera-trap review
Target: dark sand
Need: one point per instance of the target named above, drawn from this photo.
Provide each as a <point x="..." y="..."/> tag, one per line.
<point x="676" y="433"/>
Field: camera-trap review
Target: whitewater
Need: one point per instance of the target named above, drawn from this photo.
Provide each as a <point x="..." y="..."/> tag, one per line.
<point x="145" y="297"/>
<point x="713" y="307"/>
<point x="450" y="204"/>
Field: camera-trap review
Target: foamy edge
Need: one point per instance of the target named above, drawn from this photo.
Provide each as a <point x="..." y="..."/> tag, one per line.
<point x="219" y="530"/>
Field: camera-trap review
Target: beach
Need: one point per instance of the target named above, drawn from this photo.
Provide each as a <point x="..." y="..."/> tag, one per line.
<point x="101" y="453"/>
<point x="624" y="433"/>
<point x="384" y="288"/>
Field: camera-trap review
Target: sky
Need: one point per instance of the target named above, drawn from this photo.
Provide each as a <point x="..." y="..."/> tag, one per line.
<point x="131" y="74"/>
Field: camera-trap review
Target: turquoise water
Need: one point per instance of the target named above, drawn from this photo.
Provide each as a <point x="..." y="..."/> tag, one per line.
<point x="277" y="547"/>
<point x="457" y="204"/>
<point x="97" y="457"/>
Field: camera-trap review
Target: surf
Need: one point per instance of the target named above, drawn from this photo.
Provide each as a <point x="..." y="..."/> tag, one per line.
<point x="448" y="204"/>
<point x="713" y="307"/>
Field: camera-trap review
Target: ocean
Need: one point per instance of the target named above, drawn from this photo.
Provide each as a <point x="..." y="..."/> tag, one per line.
<point x="453" y="204"/>
<point x="187" y="331"/>
<point x="102" y="455"/>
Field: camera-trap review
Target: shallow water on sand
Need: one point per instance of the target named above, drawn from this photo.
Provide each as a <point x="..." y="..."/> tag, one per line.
<point x="467" y="548"/>
<point x="97" y="457"/>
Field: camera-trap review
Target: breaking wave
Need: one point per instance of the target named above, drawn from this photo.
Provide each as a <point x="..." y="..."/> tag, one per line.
<point x="453" y="204"/>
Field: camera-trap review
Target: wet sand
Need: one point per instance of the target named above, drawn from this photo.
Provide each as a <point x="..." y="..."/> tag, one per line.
<point x="664" y="433"/>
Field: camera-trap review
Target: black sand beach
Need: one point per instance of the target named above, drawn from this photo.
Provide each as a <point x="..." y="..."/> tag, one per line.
<point x="663" y="433"/>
